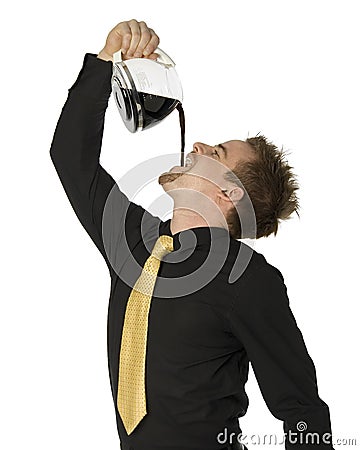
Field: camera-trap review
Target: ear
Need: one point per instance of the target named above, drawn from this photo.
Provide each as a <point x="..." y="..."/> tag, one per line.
<point x="236" y="194"/>
<point x="233" y="195"/>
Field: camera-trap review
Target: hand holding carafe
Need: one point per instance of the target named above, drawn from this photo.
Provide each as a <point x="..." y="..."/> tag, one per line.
<point x="145" y="84"/>
<point x="134" y="39"/>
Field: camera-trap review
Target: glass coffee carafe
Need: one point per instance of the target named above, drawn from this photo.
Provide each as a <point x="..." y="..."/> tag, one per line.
<point x="146" y="91"/>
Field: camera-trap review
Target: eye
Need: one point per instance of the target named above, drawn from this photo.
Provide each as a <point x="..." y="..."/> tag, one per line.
<point x="216" y="153"/>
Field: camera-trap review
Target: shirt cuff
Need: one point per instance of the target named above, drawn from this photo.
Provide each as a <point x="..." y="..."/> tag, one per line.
<point x="94" y="79"/>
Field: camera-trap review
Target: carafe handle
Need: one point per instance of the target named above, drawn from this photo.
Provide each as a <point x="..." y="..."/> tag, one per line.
<point x="163" y="58"/>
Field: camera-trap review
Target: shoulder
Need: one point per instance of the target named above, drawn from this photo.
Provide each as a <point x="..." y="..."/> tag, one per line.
<point x="257" y="266"/>
<point x="260" y="287"/>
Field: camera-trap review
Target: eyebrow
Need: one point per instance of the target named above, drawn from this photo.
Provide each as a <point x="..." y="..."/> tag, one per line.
<point x="223" y="149"/>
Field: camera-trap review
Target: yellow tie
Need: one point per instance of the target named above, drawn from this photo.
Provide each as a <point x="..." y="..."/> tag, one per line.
<point x="131" y="398"/>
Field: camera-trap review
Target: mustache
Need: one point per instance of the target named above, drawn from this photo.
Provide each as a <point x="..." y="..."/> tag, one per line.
<point x="168" y="177"/>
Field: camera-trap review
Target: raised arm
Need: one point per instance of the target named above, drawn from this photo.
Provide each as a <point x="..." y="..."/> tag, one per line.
<point x="263" y="322"/>
<point x="76" y="145"/>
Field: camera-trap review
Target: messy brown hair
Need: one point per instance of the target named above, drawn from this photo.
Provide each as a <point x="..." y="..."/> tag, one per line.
<point x="270" y="185"/>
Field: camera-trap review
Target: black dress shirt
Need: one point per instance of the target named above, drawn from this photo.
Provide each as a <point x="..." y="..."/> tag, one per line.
<point x="203" y="330"/>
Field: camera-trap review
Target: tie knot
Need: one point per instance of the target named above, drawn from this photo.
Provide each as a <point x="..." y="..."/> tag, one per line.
<point x="163" y="245"/>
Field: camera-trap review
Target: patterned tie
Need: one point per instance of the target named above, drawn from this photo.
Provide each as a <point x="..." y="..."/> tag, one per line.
<point x="131" y="398"/>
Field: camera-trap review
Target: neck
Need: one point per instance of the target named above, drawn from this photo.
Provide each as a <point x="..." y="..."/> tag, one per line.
<point x="193" y="209"/>
<point x="183" y="219"/>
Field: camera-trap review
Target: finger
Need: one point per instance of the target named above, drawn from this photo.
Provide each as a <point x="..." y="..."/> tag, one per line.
<point x="118" y="38"/>
<point x="123" y="32"/>
<point x="144" y="40"/>
<point x="135" y="37"/>
<point x="153" y="56"/>
<point x="153" y="43"/>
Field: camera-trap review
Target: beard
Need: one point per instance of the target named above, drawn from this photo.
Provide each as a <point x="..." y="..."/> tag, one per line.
<point x="168" y="177"/>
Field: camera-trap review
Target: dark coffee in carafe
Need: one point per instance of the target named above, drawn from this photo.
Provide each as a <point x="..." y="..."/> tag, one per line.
<point x="154" y="109"/>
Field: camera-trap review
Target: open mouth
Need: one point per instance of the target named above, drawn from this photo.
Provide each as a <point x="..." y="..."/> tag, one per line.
<point x="189" y="162"/>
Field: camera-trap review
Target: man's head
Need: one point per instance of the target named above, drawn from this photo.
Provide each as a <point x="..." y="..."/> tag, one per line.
<point x="226" y="172"/>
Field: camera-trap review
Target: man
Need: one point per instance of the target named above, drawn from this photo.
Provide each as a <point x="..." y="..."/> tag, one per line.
<point x="216" y="306"/>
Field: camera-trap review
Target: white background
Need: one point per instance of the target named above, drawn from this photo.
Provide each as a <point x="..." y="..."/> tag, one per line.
<point x="286" y="69"/>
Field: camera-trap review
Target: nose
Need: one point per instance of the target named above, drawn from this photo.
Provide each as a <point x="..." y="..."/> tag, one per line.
<point x="201" y="148"/>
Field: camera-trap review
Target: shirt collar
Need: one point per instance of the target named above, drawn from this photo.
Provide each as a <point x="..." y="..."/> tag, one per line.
<point x="197" y="237"/>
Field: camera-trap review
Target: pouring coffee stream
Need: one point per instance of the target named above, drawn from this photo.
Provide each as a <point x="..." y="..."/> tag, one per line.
<point x="146" y="92"/>
<point x="182" y="130"/>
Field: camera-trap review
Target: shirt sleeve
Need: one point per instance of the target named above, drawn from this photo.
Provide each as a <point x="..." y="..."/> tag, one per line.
<point x="264" y="324"/>
<point x="75" y="153"/>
